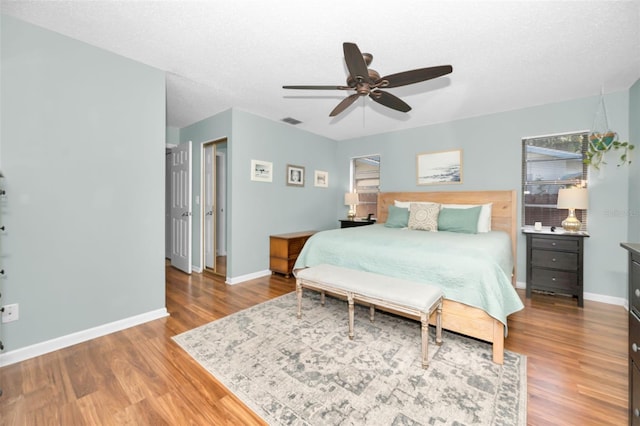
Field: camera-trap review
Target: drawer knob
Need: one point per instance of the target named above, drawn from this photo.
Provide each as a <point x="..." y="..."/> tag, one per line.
<point x="553" y="244"/>
<point x="637" y="292"/>
<point x="553" y="278"/>
<point x="634" y="347"/>
<point x="553" y="260"/>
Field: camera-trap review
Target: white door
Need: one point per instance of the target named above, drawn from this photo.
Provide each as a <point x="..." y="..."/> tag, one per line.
<point x="209" y="207"/>
<point x="181" y="207"/>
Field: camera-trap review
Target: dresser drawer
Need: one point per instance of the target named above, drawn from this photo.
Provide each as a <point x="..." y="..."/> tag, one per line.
<point x="634" y="385"/>
<point x="554" y="259"/>
<point x="634" y="285"/>
<point x="556" y="281"/>
<point x="634" y="338"/>
<point x="567" y="244"/>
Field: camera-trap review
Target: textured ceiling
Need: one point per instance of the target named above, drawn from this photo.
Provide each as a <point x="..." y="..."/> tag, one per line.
<point x="223" y="54"/>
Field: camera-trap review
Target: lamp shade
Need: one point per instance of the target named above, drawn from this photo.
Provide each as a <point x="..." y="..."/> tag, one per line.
<point x="573" y="198"/>
<point x="350" y="198"/>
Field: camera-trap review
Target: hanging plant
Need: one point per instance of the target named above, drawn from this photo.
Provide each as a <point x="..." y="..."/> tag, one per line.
<point x="601" y="143"/>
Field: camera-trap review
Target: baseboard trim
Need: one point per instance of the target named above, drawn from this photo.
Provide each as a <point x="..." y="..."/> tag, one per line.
<point x="42" y="348"/>
<point x="611" y="300"/>
<point x="248" y="277"/>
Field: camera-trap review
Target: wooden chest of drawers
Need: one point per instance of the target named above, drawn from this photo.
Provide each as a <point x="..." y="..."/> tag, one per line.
<point x="634" y="332"/>
<point x="554" y="263"/>
<point x="284" y="250"/>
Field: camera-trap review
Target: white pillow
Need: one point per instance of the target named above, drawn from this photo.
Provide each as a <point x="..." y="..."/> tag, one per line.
<point x="407" y="204"/>
<point x="484" y="220"/>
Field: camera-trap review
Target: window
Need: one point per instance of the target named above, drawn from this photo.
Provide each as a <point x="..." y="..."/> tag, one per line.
<point x="548" y="164"/>
<point x="365" y="172"/>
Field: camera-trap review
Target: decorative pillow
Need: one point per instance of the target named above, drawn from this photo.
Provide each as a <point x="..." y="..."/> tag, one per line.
<point x="423" y="216"/>
<point x="397" y="218"/>
<point x="459" y="220"/>
<point x="484" y="219"/>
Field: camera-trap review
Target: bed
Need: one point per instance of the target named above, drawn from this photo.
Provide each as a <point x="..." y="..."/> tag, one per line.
<point x="476" y="271"/>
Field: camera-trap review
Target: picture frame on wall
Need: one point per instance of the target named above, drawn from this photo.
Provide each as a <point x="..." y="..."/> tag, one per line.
<point x="321" y="179"/>
<point x="261" y="171"/>
<point x="295" y="175"/>
<point x="440" y="167"/>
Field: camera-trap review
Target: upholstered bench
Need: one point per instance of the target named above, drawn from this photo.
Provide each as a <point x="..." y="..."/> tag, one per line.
<point x="398" y="295"/>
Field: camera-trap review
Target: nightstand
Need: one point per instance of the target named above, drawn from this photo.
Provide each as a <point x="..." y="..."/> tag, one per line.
<point x="351" y="223"/>
<point x="284" y="250"/>
<point x="554" y="262"/>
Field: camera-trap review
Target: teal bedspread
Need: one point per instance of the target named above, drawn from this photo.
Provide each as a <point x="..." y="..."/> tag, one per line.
<point x="473" y="269"/>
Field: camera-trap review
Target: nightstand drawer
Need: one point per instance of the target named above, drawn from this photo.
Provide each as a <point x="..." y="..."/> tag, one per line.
<point x="555" y="259"/>
<point x="567" y="244"/>
<point x="555" y="281"/>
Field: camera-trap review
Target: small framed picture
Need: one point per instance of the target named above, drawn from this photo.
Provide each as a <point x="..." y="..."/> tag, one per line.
<point x="321" y="179"/>
<point x="295" y="175"/>
<point x="433" y="168"/>
<point x="261" y="171"/>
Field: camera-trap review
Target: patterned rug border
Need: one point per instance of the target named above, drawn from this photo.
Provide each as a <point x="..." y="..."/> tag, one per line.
<point x="248" y="400"/>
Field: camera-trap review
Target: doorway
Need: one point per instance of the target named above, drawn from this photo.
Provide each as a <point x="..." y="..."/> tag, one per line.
<point x="214" y="207"/>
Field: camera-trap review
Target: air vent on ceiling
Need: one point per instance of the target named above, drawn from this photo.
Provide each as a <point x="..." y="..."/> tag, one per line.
<point x="291" y="120"/>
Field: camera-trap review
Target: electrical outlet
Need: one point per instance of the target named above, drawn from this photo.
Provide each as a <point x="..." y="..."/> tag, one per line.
<point x="10" y="313"/>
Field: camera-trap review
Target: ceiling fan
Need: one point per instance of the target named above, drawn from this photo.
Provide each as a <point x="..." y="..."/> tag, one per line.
<point x="366" y="81"/>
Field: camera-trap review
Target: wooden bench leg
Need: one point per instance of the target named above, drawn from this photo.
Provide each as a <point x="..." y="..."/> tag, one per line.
<point x="424" y="320"/>
<point x="299" y="294"/>
<point x="322" y="297"/>
<point x="351" y="314"/>
<point x="439" y="323"/>
<point x="372" y="312"/>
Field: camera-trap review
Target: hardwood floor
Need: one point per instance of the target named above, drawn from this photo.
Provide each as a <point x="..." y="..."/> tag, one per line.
<point x="577" y="365"/>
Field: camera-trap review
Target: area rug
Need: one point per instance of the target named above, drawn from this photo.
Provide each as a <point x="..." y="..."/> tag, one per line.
<point x="307" y="372"/>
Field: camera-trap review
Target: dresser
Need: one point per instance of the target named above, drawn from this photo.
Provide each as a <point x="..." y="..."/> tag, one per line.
<point x="634" y="332"/>
<point x="350" y="223"/>
<point x="554" y="262"/>
<point x="284" y="250"/>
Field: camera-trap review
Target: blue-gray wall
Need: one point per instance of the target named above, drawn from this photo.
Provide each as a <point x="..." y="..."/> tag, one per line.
<point x="634" y="172"/>
<point x="256" y="210"/>
<point x="82" y="138"/>
<point x="491" y="147"/>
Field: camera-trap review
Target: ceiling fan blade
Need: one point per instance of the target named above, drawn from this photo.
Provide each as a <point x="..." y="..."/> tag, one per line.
<point x="317" y="87"/>
<point x="389" y="100"/>
<point x="415" y="76"/>
<point x="346" y="102"/>
<point x="355" y="63"/>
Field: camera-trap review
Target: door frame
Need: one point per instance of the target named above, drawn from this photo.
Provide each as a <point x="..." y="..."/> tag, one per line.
<point x="202" y="206"/>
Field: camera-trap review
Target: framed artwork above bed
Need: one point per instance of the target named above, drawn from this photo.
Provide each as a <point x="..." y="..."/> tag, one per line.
<point x="441" y="167"/>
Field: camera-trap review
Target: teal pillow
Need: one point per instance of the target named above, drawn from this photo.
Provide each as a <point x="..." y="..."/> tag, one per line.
<point x="397" y="218"/>
<point x="459" y="220"/>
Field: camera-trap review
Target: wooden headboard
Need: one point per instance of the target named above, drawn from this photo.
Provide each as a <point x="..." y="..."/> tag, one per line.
<point x="503" y="211"/>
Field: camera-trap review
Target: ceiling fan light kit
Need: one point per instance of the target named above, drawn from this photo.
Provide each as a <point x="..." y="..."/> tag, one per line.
<point x="367" y="82"/>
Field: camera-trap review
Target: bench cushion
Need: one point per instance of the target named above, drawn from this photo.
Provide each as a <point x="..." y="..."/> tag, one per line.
<point x="420" y="296"/>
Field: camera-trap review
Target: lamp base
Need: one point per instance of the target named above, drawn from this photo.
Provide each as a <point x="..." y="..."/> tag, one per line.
<point x="351" y="215"/>
<point x="571" y="223"/>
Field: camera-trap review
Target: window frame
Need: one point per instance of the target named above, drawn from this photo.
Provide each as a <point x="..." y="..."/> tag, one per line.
<point x="368" y="198"/>
<point x="537" y="207"/>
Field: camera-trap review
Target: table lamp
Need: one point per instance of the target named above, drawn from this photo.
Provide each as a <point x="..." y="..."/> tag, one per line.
<point x="351" y="199"/>
<point x="572" y="199"/>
